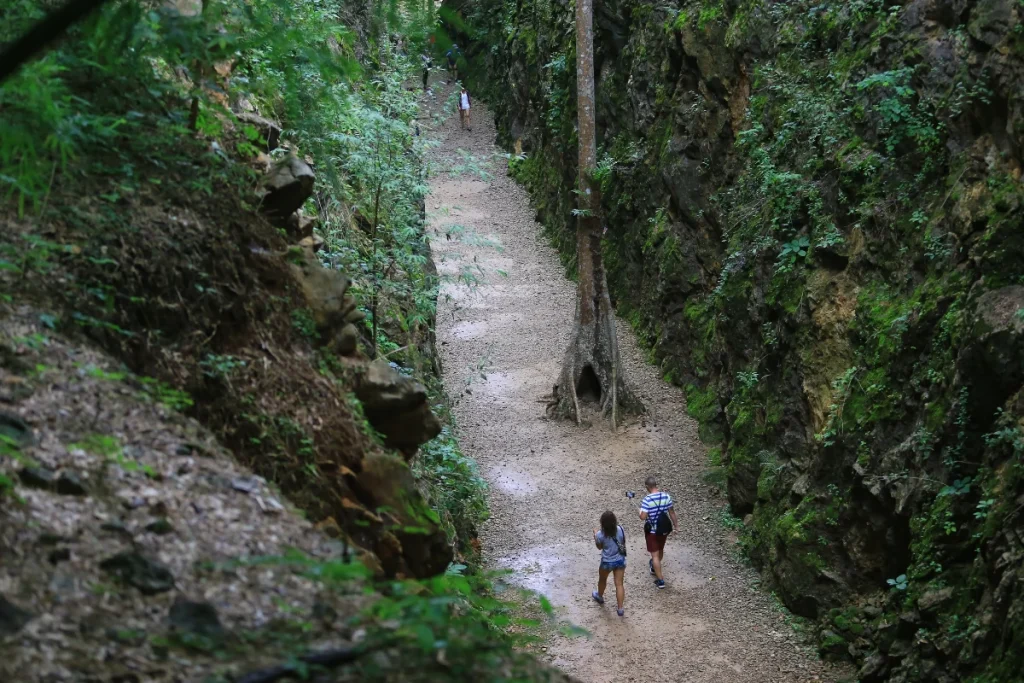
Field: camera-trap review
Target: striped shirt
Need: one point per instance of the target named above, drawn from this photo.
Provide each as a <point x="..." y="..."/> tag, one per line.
<point x="656" y="504"/>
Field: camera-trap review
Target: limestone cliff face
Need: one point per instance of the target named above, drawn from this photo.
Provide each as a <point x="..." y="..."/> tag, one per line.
<point x="814" y="217"/>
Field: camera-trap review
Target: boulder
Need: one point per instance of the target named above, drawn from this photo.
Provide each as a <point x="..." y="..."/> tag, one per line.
<point x="382" y="389"/>
<point x="354" y="315"/>
<point x="289" y="184"/>
<point x="347" y="341"/>
<point x="15" y="429"/>
<point x="742" y="484"/>
<point x="832" y="646"/>
<point x="991" y="363"/>
<point x="70" y="484"/>
<point x="990" y="21"/>
<point x="406" y="431"/>
<point x="197" y="618"/>
<point x="149" y="576"/>
<point x="12" y="617"/>
<point x="396" y="406"/>
<point x="874" y="668"/>
<point x="416" y="545"/>
<point x="324" y="291"/>
<point x="300" y="226"/>
<point x="313" y="242"/>
<point x="37" y="477"/>
<point x="932" y="599"/>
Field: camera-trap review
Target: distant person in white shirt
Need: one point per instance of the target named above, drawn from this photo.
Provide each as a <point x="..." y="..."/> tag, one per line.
<point x="464" y="103"/>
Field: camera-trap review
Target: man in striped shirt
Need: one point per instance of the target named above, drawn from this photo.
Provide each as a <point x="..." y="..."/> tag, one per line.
<point x="654" y="508"/>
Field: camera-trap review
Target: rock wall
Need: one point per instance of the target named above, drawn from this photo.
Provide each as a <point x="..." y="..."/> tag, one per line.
<point x="814" y="221"/>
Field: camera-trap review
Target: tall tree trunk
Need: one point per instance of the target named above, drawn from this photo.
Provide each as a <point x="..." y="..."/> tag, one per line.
<point x="590" y="370"/>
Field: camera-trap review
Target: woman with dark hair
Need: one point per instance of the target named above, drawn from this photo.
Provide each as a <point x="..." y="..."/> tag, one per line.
<point x="611" y="540"/>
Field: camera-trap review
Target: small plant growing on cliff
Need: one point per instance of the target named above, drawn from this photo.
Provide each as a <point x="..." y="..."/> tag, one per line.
<point x="747" y="379"/>
<point x="898" y="584"/>
<point x="834" y="423"/>
<point x="602" y="174"/>
<point x="901" y="118"/>
<point x="959" y="487"/>
<point x="791" y="251"/>
<point x="983" y="508"/>
<point x="215" y="366"/>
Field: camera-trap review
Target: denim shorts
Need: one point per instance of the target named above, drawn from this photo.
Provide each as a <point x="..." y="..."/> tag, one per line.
<point x="609" y="566"/>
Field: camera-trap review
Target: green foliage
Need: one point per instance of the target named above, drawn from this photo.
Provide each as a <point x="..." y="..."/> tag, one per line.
<point x="283" y="63"/>
<point x="44" y="127"/>
<point x="220" y="367"/>
<point x="457" y="626"/>
<point x="304" y="324"/>
<point x="833" y="427"/>
<point x="709" y="13"/>
<point x="109" y="447"/>
<point x="901" y="118"/>
<point x="959" y="487"/>
<point x="792" y="251"/>
<point x="10" y="448"/>
<point x="99" y="444"/>
<point x="382" y="180"/>
<point x="453" y="483"/>
<point x="560" y="105"/>
<point x="33" y="255"/>
<point x="899" y="583"/>
<point x="162" y="392"/>
<point x="701" y="404"/>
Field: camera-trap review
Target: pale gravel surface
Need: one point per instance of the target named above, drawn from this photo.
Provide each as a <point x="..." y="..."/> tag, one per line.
<point x="550" y="480"/>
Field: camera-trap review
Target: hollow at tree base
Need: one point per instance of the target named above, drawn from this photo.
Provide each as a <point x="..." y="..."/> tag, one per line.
<point x="591" y="380"/>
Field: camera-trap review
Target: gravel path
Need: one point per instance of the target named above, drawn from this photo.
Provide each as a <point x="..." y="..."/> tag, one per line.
<point x="551" y="480"/>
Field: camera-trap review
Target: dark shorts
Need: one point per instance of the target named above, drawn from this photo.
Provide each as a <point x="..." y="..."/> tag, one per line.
<point x="610" y="566"/>
<point x="655" y="542"/>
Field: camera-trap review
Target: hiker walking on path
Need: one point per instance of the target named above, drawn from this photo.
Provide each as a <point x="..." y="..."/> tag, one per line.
<point x="427" y="63"/>
<point x="453" y="55"/>
<point x="659" y="515"/>
<point x="464" y="103"/>
<point x="611" y="541"/>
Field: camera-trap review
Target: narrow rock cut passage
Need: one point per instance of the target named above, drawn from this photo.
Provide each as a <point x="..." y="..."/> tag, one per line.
<point x="551" y="480"/>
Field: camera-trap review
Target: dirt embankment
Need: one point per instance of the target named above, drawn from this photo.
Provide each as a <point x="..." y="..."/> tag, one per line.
<point x="181" y="396"/>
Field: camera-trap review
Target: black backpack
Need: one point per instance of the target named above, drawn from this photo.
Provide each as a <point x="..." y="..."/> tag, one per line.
<point x="663" y="525"/>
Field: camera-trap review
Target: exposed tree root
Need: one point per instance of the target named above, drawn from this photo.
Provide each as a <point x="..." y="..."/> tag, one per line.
<point x="591" y="368"/>
<point x="591" y="378"/>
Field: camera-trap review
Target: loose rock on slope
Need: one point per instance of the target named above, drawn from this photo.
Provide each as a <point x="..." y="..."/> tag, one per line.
<point x="81" y="602"/>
